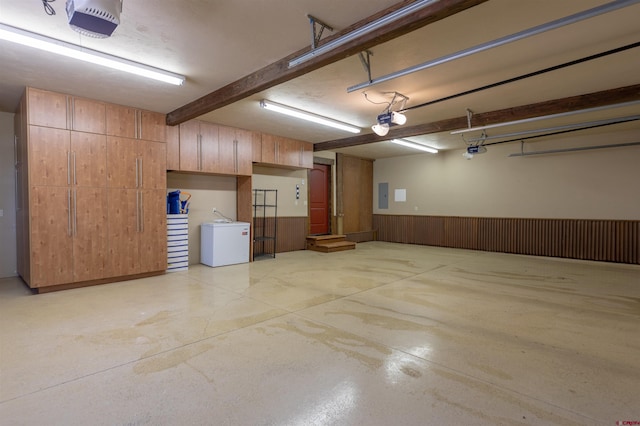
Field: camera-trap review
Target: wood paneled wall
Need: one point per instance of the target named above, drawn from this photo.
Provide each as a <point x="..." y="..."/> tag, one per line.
<point x="601" y="240"/>
<point x="291" y="233"/>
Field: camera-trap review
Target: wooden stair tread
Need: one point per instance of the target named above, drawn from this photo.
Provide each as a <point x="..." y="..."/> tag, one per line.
<point x="337" y="244"/>
<point x="326" y="237"/>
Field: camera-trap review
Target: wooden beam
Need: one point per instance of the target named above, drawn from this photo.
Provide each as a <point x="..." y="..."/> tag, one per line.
<point x="555" y="106"/>
<point x="279" y="72"/>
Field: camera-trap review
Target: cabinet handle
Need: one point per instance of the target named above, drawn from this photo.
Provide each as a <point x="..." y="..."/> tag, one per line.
<point x="139" y="135"/>
<point x="69" y="212"/>
<point x="137" y="173"/>
<point x="68" y="168"/>
<point x="73" y="112"/>
<point x="141" y="173"/>
<point x="199" y="152"/>
<point x="137" y="211"/>
<point x="141" y="211"/>
<point x="75" y="212"/>
<point x="235" y="155"/>
<point x="75" y="176"/>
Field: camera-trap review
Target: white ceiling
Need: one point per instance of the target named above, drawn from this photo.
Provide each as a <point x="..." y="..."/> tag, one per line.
<point x="214" y="43"/>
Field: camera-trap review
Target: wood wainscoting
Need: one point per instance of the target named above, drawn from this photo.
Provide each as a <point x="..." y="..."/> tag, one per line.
<point x="586" y="239"/>
<point x="291" y="233"/>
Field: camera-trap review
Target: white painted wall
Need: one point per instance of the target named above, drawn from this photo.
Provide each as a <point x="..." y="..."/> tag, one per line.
<point x="8" y="263"/>
<point x="597" y="184"/>
<point x="206" y="192"/>
<point x="285" y="182"/>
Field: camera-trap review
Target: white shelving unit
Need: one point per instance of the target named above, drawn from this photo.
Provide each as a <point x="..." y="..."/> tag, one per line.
<point x="177" y="242"/>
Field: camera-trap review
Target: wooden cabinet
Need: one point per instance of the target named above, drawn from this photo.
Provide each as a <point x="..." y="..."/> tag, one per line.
<point x="134" y="123"/>
<point x="281" y="151"/>
<point x="137" y="201"/>
<point x="235" y="151"/>
<point x="67" y="201"/>
<point x="50" y="109"/>
<point x="173" y="147"/>
<point x="199" y="143"/>
<point x="90" y="206"/>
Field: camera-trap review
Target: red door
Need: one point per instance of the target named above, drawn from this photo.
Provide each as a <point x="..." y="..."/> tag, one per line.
<point x="319" y="181"/>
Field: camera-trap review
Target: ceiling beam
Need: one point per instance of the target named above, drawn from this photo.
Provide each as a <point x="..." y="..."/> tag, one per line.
<point x="555" y="106"/>
<point x="279" y="71"/>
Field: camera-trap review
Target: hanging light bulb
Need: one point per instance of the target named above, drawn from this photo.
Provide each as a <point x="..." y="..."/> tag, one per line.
<point x="380" y="129"/>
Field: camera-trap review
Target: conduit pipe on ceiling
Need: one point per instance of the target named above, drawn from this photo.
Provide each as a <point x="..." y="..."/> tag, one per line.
<point x="576" y="126"/>
<point x="545" y="117"/>
<point x="582" y="148"/>
<point x="567" y="20"/>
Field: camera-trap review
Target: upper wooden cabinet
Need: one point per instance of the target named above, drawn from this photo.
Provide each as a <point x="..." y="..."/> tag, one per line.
<point x="235" y="148"/>
<point x="134" y="123"/>
<point x="173" y="147"/>
<point x="50" y="109"/>
<point x="287" y="152"/>
<point x="199" y="147"/>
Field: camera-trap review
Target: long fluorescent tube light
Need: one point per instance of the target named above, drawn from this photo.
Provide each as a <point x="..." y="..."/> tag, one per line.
<point x="414" y="145"/>
<point x="545" y="117"/>
<point x="309" y="116"/>
<point x="365" y="29"/>
<point x="26" y="38"/>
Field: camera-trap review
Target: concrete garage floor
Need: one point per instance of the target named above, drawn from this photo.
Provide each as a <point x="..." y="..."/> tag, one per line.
<point x="386" y="334"/>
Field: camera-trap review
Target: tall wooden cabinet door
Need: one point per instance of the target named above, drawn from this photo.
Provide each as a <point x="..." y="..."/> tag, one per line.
<point x="153" y="165"/>
<point x="90" y="238"/>
<point x="209" y="148"/>
<point x="244" y="149"/>
<point x="121" y="121"/>
<point x="227" y="149"/>
<point x="123" y="165"/>
<point x="88" y="115"/>
<point x="47" y="108"/>
<point x="123" y="231"/>
<point x="88" y="159"/>
<point x="51" y="236"/>
<point x="288" y="153"/>
<point x="152" y="126"/>
<point x="306" y="152"/>
<point x="269" y="149"/>
<point x="256" y="148"/>
<point x="190" y="146"/>
<point x="153" y="235"/>
<point x="173" y="148"/>
<point x="50" y="157"/>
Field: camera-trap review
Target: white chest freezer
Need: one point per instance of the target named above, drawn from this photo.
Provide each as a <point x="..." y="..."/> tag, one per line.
<point x="224" y="243"/>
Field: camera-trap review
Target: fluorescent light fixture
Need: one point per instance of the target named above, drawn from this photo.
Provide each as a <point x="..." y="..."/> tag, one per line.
<point x="26" y="38"/>
<point x="415" y="145"/>
<point x="309" y="116"/>
<point x="365" y="29"/>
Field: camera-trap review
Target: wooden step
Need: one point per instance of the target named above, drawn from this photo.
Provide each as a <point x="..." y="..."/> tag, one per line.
<point x="331" y="247"/>
<point x="329" y="243"/>
<point x="316" y="239"/>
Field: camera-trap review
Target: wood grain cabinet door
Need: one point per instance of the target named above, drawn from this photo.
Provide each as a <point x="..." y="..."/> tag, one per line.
<point x="49" y="156"/>
<point x="152" y="164"/>
<point x="227" y="149"/>
<point x="123" y="164"/>
<point x="51" y="236"/>
<point x="244" y="152"/>
<point x="152" y="126"/>
<point x="190" y="146"/>
<point x="88" y="115"/>
<point x="121" y="121"/>
<point x="209" y="148"/>
<point x="153" y="232"/>
<point x="123" y="231"/>
<point x="90" y="237"/>
<point x="47" y="109"/>
<point x="88" y="160"/>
